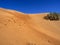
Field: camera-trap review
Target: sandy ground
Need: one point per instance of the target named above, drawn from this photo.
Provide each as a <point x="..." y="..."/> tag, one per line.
<point x="17" y="28"/>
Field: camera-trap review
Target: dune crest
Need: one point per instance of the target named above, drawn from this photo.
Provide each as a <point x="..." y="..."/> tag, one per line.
<point x="17" y="28"/>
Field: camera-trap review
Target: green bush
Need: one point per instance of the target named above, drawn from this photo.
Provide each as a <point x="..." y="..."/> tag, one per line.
<point x="52" y="16"/>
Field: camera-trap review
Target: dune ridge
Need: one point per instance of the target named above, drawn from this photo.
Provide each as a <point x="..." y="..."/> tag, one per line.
<point x="17" y="28"/>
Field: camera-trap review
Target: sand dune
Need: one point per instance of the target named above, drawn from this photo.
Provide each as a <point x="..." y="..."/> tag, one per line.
<point x="17" y="28"/>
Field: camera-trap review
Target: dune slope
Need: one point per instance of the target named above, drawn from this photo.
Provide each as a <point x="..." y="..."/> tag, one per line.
<point x="17" y="28"/>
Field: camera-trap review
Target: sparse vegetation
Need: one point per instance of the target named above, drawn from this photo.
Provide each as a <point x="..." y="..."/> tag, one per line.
<point x="52" y="16"/>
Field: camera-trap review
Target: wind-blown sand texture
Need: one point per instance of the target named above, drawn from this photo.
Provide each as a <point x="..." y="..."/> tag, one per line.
<point x="17" y="28"/>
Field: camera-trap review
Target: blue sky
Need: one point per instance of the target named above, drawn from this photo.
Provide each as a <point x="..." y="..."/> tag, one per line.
<point x="32" y="6"/>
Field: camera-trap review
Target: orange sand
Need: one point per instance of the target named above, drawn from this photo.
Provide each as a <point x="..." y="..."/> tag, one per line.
<point x="17" y="28"/>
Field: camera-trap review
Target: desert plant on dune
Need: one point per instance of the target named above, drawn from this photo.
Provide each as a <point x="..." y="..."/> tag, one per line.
<point x="52" y="16"/>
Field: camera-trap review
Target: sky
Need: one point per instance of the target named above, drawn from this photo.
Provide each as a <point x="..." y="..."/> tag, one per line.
<point x="32" y="6"/>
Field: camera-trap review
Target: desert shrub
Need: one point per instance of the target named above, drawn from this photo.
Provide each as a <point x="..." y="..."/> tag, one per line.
<point x="52" y="16"/>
